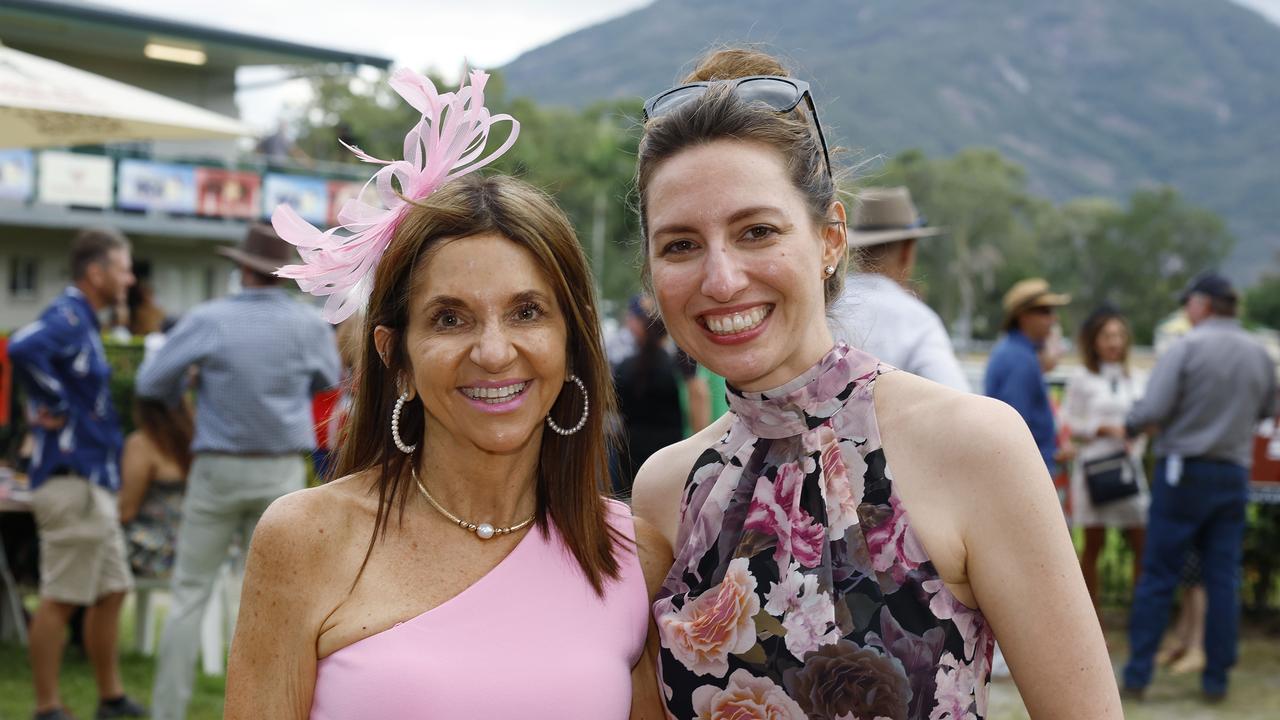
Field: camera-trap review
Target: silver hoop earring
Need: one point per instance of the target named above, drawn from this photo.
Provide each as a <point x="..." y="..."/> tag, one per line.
<point x="395" y="425"/>
<point x="586" y="409"/>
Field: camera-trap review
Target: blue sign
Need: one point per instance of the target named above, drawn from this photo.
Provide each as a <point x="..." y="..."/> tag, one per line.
<point x="17" y="174"/>
<point x="156" y="187"/>
<point x="308" y="196"/>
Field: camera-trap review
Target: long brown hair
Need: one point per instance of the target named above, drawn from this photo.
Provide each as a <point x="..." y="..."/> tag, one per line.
<point x="572" y="471"/>
<point x="168" y="427"/>
<point x="1090" y="331"/>
<point x="719" y="114"/>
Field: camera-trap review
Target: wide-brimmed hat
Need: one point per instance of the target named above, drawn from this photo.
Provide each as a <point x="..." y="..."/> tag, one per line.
<point x="1028" y="294"/>
<point x="886" y="215"/>
<point x="262" y="250"/>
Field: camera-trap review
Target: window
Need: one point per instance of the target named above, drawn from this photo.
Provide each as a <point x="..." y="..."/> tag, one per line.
<point x="24" y="277"/>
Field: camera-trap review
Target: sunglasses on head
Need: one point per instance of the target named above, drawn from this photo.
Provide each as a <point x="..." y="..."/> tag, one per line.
<point x="782" y="94"/>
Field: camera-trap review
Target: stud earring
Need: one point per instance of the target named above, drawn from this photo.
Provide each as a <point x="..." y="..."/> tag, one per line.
<point x="829" y="270"/>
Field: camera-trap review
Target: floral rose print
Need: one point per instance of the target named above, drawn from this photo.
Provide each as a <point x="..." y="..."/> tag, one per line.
<point x="703" y="633"/>
<point x="745" y="698"/>
<point x="800" y="589"/>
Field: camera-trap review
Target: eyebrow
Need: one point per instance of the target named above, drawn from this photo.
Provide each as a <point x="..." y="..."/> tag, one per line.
<point x="520" y="298"/>
<point x="736" y="216"/>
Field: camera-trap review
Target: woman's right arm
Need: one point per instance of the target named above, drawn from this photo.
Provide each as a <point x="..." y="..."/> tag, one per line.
<point x="272" y="670"/>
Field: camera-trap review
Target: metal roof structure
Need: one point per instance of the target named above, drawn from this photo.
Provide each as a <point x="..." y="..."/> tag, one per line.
<point x="75" y="26"/>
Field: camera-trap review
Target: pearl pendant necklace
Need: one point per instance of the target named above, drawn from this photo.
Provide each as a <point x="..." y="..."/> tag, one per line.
<point x="484" y="531"/>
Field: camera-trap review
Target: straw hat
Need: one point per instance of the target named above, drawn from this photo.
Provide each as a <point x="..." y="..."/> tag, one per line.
<point x="886" y="215"/>
<point x="262" y="250"/>
<point x="1027" y="294"/>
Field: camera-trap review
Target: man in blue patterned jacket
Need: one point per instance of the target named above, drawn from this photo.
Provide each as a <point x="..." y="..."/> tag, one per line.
<point x="75" y="473"/>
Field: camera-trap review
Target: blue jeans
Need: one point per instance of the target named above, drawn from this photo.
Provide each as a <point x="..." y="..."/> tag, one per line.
<point x="1205" y="510"/>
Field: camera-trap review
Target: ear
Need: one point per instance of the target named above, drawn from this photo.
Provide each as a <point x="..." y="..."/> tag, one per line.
<point x="835" y="239"/>
<point x="384" y="341"/>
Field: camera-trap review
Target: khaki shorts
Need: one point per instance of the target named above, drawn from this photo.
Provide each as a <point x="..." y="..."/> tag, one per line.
<point x="82" y="550"/>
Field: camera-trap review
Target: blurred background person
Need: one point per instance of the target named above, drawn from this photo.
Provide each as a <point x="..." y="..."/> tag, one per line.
<point x="1014" y="372"/>
<point x="153" y="477"/>
<point x="1098" y="396"/>
<point x="878" y="311"/>
<point x="648" y="386"/>
<point x="75" y="473"/>
<point x="1206" y="395"/>
<point x="261" y="357"/>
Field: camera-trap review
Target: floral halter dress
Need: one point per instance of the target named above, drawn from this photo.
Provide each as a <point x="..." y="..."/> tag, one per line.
<point x="799" y="589"/>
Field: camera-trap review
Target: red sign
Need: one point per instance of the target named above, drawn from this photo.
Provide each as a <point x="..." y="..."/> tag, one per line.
<point x="228" y="193"/>
<point x="339" y="193"/>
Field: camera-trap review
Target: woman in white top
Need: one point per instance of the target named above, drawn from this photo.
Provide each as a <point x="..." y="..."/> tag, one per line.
<point x="1098" y="396"/>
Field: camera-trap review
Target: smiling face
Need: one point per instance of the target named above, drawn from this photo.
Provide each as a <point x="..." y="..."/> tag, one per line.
<point x="1113" y="341"/>
<point x="486" y="343"/>
<point x="737" y="262"/>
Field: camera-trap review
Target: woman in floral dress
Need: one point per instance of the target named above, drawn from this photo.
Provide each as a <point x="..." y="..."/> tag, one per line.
<point x="810" y="580"/>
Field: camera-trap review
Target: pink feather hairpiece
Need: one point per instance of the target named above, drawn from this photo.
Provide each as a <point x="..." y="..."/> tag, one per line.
<point x="448" y="142"/>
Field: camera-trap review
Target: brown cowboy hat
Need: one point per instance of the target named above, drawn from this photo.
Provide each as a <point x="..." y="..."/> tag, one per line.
<point x="262" y="250"/>
<point x="1028" y="294"/>
<point x="886" y="215"/>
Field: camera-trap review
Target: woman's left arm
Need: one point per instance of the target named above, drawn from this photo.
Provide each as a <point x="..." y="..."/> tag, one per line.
<point x="1023" y="569"/>
<point x="655" y="560"/>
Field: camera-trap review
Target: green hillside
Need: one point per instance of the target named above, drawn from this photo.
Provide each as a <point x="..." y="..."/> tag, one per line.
<point x="1093" y="97"/>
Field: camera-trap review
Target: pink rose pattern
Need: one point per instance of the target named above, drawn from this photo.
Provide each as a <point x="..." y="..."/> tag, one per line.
<point x="799" y="584"/>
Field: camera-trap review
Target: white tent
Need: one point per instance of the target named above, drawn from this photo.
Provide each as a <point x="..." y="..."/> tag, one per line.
<point x="45" y="103"/>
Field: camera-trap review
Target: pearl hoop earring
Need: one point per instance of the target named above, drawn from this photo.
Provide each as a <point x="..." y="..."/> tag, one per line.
<point x="586" y="409"/>
<point x="395" y="425"/>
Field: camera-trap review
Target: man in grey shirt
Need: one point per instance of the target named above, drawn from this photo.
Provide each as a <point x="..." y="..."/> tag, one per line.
<point x="1205" y="398"/>
<point x="261" y="356"/>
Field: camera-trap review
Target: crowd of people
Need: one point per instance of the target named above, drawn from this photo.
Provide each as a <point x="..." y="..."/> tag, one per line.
<point x="808" y="514"/>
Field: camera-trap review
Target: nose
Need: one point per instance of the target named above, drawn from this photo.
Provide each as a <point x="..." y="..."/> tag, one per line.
<point x="493" y="350"/>
<point x="723" y="275"/>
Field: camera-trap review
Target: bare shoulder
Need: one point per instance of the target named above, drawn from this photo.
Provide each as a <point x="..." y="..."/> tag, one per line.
<point x="655" y="495"/>
<point x="971" y="437"/>
<point x="309" y="524"/>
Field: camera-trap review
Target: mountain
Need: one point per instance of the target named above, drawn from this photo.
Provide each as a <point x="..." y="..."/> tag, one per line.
<point x="1092" y="97"/>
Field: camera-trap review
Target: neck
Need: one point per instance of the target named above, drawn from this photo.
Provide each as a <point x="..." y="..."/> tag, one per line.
<point x="818" y="342"/>
<point x="476" y="485"/>
<point x="95" y="300"/>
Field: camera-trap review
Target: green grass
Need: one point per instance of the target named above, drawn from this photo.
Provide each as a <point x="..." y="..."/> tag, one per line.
<point x="17" y="700"/>
<point x="1254" y="693"/>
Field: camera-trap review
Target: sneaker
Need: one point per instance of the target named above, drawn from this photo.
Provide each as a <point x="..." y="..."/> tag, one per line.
<point x="122" y="707"/>
<point x="1213" y="698"/>
<point x="54" y="714"/>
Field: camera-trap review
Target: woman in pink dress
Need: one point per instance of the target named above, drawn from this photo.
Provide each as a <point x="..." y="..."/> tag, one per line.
<point x="465" y="562"/>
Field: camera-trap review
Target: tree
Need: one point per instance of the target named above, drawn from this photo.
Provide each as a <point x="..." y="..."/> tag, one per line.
<point x="1262" y="302"/>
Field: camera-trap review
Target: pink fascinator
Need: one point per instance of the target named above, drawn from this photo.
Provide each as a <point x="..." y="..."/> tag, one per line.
<point x="448" y="142"/>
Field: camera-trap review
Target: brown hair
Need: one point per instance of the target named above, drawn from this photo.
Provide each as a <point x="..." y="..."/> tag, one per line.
<point x="168" y="426"/>
<point x="719" y="114"/>
<point x="1090" y="331"/>
<point x="572" y="470"/>
<point x="91" y="247"/>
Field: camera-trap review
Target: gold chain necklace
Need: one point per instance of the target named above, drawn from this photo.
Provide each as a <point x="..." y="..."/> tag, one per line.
<point x="484" y="531"/>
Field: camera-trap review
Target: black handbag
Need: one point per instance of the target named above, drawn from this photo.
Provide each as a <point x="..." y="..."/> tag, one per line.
<point x="1110" y="478"/>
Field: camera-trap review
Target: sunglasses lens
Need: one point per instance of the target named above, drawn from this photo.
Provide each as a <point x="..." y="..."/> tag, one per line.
<point x="777" y="94"/>
<point x="674" y="99"/>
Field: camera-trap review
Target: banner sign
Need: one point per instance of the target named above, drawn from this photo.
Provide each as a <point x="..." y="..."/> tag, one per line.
<point x="73" y="179"/>
<point x="228" y="193"/>
<point x="339" y="193"/>
<point x="156" y="187"/>
<point x="17" y="174"/>
<point x="308" y="196"/>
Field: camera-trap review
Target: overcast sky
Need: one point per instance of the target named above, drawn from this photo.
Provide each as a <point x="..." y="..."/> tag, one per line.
<point x="439" y="34"/>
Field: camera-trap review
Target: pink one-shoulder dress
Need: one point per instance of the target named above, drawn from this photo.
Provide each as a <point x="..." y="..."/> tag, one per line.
<point x="531" y="639"/>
